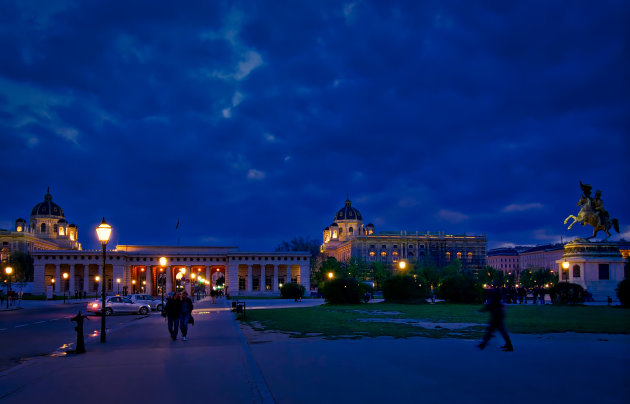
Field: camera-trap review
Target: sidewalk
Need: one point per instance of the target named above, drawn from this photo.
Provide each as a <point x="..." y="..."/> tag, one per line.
<point x="225" y="363"/>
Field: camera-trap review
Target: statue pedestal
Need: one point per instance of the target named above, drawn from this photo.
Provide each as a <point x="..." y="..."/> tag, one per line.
<point x="597" y="267"/>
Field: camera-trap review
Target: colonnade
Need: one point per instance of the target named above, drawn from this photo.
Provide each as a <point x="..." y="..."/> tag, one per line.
<point x="245" y="274"/>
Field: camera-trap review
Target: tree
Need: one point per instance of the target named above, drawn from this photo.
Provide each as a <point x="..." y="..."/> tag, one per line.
<point x="22" y="264"/>
<point x="538" y="277"/>
<point x="380" y="274"/>
<point x="304" y="244"/>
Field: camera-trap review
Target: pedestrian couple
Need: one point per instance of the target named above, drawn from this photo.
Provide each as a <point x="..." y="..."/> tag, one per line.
<point x="178" y="312"/>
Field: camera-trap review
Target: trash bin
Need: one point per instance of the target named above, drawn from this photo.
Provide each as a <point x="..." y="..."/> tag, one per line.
<point x="240" y="307"/>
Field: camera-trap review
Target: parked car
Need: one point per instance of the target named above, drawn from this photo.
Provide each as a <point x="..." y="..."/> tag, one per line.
<point x="118" y="304"/>
<point x="152" y="302"/>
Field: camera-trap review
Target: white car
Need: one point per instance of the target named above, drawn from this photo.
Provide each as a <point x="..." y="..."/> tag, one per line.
<point x="153" y="303"/>
<point x="117" y="304"/>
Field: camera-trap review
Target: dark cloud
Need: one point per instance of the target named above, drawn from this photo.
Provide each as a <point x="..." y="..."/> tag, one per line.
<point x="251" y="123"/>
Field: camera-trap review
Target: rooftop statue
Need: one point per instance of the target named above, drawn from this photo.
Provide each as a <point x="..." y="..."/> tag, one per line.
<point x="592" y="212"/>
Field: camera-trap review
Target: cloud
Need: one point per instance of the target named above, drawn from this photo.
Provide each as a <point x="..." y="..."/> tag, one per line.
<point x="251" y="60"/>
<point x="452" y="216"/>
<point x="254" y="174"/>
<point x="522" y="207"/>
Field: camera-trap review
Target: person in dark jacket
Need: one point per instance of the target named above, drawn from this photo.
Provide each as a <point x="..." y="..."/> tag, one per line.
<point x="497" y="315"/>
<point x="187" y="308"/>
<point x="173" y="311"/>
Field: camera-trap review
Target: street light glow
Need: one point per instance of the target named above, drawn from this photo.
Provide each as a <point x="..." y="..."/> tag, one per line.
<point x="402" y="264"/>
<point x="565" y="265"/>
<point x="163" y="261"/>
<point x="8" y="270"/>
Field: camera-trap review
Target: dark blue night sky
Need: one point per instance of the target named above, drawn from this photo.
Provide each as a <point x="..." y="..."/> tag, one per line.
<point x="250" y="122"/>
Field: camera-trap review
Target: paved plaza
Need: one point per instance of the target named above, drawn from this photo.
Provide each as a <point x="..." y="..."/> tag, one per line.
<point x="224" y="362"/>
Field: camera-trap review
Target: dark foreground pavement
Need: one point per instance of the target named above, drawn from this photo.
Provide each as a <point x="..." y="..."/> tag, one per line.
<point x="222" y="364"/>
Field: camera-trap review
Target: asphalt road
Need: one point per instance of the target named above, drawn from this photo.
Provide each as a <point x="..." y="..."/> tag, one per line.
<point x="41" y="331"/>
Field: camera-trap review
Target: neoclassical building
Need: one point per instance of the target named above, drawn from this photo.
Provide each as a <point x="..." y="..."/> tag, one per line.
<point x="136" y="269"/>
<point x="347" y="237"/>
<point x="61" y="265"/>
<point x="47" y="229"/>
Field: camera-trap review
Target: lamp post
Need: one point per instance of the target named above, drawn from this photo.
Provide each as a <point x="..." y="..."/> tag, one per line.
<point x="97" y="279"/>
<point x="143" y="285"/>
<point x="103" y="231"/>
<point x="8" y="271"/>
<point x="402" y="265"/>
<point x="118" y="282"/>
<point x="565" y="268"/>
<point x="52" y="283"/>
<point x="65" y="279"/>
<point x="162" y="279"/>
<point x="133" y="288"/>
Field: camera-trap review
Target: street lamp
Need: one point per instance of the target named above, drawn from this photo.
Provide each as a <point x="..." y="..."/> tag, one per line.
<point x="402" y="264"/>
<point x="565" y="267"/>
<point x="118" y="282"/>
<point x="143" y="285"/>
<point x="103" y="231"/>
<point x="133" y="289"/>
<point x="162" y="279"/>
<point x="65" y="279"/>
<point x="8" y="271"/>
<point x="97" y="279"/>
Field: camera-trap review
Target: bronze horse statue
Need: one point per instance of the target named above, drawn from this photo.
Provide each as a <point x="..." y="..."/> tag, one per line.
<point x="588" y="215"/>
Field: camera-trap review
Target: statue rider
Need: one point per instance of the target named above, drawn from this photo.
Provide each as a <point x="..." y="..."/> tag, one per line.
<point x="598" y="206"/>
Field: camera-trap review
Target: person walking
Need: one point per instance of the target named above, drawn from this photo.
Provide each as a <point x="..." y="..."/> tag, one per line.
<point x="185" y="314"/>
<point x="173" y="311"/>
<point x="497" y="316"/>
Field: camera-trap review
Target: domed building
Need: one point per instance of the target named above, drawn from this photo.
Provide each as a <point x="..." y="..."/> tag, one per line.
<point x="47" y="229"/>
<point x="347" y="237"/>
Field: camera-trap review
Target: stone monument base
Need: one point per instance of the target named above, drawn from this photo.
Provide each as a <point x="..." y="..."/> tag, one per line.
<point x="596" y="266"/>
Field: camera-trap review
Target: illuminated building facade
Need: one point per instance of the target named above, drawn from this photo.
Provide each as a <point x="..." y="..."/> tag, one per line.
<point x="47" y="229"/>
<point x="54" y="246"/>
<point x="347" y="237"/>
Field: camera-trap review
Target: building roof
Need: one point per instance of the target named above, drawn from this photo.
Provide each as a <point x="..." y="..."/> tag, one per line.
<point x="47" y="207"/>
<point x="348" y="213"/>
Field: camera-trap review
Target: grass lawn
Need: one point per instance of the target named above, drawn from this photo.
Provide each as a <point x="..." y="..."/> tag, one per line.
<point x="434" y="320"/>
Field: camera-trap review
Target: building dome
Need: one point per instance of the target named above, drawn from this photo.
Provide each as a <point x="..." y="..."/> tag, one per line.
<point x="47" y="207"/>
<point x="348" y="213"/>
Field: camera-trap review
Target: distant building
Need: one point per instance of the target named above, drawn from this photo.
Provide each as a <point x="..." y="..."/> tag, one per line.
<point x="47" y="229"/>
<point x="505" y="259"/>
<point x="544" y="257"/>
<point x="347" y="237"/>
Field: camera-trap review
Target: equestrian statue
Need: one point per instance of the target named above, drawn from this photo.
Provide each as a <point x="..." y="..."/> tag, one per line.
<point x="592" y="212"/>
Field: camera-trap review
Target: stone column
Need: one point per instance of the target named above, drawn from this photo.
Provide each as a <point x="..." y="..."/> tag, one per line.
<point x="250" y="279"/>
<point x="71" y="280"/>
<point x="86" y="278"/>
<point x="288" y="280"/>
<point x="149" y="278"/>
<point x="263" y="279"/>
<point x="39" y="279"/>
<point x="208" y="274"/>
<point x="189" y="286"/>
<point x="305" y="277"/>
<point x="57" y="285"/>
<point x="274" y="285"/>
<point x="231" y="278"/>
<point x="169" y="279"/>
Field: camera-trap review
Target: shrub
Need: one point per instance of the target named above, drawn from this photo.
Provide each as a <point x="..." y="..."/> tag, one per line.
<point x="567" y="293"/>
<point x="623" y="292"/>
<point x="292" y="291"/>
<point x="403" y="288"/>
<point x="461" y="288"/>
<point x="342" y="291"/>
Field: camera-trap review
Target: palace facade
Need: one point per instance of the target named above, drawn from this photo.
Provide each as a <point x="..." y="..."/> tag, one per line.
<point x="347" y="237"/>
<point x="62" y="266"/>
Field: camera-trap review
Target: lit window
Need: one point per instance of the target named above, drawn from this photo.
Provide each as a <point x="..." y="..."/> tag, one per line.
<point x="459" y="255"/>
<point x="372" y="253"/>
<point x="448" y="256"/>
<point x="383" y="253"/>
<point x="395" y="253"/>
<point x="19" y="228"/>
<point x="334" y="234"/>
<point x="62" y="231"/>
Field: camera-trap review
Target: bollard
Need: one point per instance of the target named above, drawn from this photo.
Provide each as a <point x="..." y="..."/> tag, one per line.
<point x="80" y="348"/>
